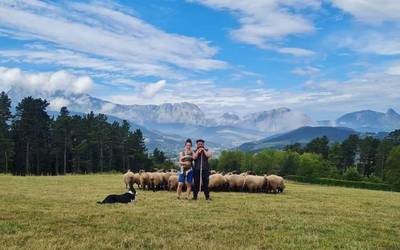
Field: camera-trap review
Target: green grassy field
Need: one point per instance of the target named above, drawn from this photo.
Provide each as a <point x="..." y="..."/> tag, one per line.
<point x="61" y="213"/>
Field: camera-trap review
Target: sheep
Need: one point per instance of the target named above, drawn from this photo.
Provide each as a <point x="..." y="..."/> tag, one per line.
<point x="136" y="179"/>
<point x="254" y="183"/>
<point x="165" y="177"/>
<point x="144" y="179"/>
<point x="129" y="179"/>
<point x="248" y="173"/>
<point x="274" y="183"/>
<point x="156" y="180"/>
<point x="173" y="182"/>
<point x="281" y="185"/>
<point x="217" y="182"/>
<point x="212" y="172"/>
<point x="236" y="182"/>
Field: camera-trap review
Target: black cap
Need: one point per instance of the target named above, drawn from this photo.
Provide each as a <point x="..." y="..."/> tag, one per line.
<point x="200" y="140"/>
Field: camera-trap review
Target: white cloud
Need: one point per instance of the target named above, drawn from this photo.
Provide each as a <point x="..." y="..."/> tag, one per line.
<point x="296" y="52"/>
<point x="58" y="102"/>
<point x="376" y="42"/>
<point x="151" y="90"/>
<point x="48" y="82"/>
<point x="260" y="83"/>
<point x="107" y="108"/>
<point x="264" y="22"/>
<point x="394" y="69"/>
<point x="85" y="35"/>
<point x="306" y="71"/>
<point x="371" y="11"/>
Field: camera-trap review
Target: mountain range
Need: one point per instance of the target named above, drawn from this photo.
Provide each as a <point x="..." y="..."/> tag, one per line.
<point x="167" y="125"/>
<point x="301" y="135"/>
<point x="370" y="121"/>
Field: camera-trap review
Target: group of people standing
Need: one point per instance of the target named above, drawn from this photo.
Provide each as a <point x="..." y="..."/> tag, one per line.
<point x="195" y="170"/>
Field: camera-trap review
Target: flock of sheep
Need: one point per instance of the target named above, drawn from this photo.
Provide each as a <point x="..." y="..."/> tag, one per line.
<point x="244" y="182"/>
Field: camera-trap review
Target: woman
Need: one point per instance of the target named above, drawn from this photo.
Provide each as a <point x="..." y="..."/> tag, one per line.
<point x="186" y="173"/>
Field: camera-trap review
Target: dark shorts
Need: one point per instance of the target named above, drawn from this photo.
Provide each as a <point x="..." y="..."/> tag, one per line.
<point x="189" y="177"/>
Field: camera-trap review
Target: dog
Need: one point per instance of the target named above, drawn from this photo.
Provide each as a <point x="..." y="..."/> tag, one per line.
<point x="130" y="196"/>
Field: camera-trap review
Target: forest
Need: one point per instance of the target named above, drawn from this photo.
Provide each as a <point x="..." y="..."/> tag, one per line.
<point x="33" y="143"/>
<point x="366" y="159"/>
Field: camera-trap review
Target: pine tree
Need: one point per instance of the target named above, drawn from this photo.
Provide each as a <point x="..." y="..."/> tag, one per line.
<point x="368" y="152"/>
<point x="62" y="138"/>
<point x="6" y="143"/>
<point x="319" y="145"/>
<point x="158" y="156"/>
<point x="137" y="151"/>
<point x="349" y="150"/>
<point x="31" y="128"/>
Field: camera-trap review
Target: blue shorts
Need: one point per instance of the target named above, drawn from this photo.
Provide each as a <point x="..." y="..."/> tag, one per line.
<point x="189" y="177"/>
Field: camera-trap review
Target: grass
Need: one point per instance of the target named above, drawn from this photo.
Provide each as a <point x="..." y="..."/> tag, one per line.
<point x="61" y="213"/>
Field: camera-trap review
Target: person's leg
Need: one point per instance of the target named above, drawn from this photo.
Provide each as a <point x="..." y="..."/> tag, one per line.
<point x="189" y="180"/>
<point x="196" y="178"/>
<point x="188" y="189"/>
<point x="179" y="190"/>
<point x="181" y="180"/>
<point x="205" y="179"/>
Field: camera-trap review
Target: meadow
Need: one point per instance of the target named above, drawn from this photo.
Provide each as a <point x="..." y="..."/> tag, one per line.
<point x="60" y="212"/>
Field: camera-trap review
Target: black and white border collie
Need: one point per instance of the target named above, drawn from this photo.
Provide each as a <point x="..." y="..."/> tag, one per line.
<point x="130" y="196"/>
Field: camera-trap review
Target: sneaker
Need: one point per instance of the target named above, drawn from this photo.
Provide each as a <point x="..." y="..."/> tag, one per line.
<point x="208" y="199"/>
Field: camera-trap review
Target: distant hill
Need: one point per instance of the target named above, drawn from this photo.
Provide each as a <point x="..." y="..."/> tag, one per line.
<point x="370" y="121"/>
<point x="300" y="135"/>
<point x="225" y="136"/>
<point x="269" y="122"/>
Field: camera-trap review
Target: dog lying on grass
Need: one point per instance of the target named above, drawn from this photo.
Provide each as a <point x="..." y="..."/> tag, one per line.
<point x="130" y="196"/>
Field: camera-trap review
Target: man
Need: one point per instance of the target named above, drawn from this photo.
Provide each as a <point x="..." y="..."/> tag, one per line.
<point x="201" y="169"/>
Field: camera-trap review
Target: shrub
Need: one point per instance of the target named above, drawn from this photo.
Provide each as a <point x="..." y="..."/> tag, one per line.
<point x="343" y="183"/>
<point x="312" y="165"/>
<point x="374" y="179"/>
<point x="352" y="174"/>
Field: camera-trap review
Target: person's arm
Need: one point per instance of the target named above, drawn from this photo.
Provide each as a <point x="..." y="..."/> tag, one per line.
<point x="195" y="154"/>
<point x="208" y="153"/>
<point x="180" y="158"/>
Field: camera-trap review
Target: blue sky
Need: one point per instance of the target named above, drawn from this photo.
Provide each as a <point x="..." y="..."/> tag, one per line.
<point x="321" y="57"/>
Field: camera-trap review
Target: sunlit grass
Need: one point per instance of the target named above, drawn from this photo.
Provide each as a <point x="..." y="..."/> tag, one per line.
<point x="61" y="213"/>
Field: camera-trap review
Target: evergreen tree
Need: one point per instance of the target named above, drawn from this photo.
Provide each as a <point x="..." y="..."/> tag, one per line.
<point x="31" y="128"/>
<point x="349" y="150"/>
<point x="336" y="157"/>
<point x="124" y="135"/>
<point x="137" y="152"/>
<point x="319" y="145"/>
<point x="296" y="147"/>
<point x="158" y="156"/>
<point x="368" y="152"/>
<point x="6" y="143"/>
<point x="62" y="138"/>
<point x="382" y="154"/>
<point x="394" y="137"/>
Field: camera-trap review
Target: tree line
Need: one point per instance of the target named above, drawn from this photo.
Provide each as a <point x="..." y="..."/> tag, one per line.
<point x="33" y="143"/>
<point x="357" y="159"/>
